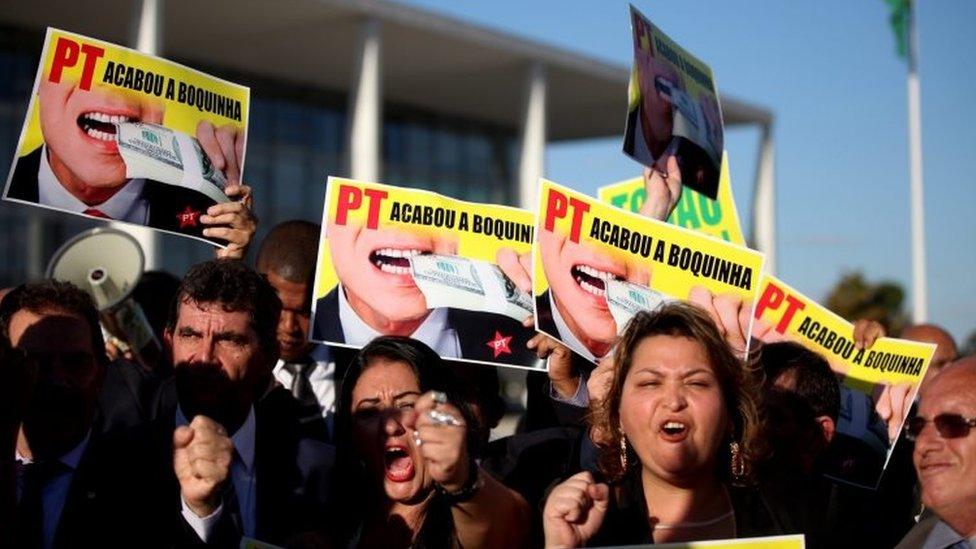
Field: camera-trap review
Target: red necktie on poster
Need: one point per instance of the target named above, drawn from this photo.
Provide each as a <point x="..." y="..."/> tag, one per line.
<point x="95" y="212"/>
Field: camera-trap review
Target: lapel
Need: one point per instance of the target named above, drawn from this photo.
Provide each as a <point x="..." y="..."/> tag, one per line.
<point x="79" y="516"/>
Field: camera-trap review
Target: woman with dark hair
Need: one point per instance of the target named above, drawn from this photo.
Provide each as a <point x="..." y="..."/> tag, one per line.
<point x="678" y="432"/>
<point x="407" y="477"/>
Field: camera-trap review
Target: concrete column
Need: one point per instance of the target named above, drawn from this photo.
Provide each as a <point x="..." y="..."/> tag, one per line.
<point x="533" y="136"/>
<point x="366" y="106"/>
<point x="147" y="26"/>
<point x="764" y="202"/>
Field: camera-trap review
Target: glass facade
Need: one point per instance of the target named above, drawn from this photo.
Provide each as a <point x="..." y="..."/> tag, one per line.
<point x="296" y="140"/>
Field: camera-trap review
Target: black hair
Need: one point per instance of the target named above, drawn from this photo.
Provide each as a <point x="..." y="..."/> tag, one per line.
<point x="55" y="296"/>
<point x="235" y="287"/>
<point x="290" y="251"/>
<point x="816" y="383"/>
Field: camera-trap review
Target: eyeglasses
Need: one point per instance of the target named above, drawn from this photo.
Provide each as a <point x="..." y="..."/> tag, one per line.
<point x="948" y="426"/>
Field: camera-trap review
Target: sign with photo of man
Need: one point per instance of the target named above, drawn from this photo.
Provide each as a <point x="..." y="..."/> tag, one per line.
<point x="115" y="134"/>
<point x="401" y="261"/>
<point x="673" y="109"/>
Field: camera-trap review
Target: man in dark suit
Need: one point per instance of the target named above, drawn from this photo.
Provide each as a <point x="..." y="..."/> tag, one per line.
<point x="63" y="493"/>
<point x="228" y="457"/>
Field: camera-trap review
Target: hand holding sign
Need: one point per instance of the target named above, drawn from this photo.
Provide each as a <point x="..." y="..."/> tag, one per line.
<point x="663" y="188"/>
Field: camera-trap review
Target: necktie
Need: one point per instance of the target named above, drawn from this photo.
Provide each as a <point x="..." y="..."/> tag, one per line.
<point x="30" y="509"/>
<point x="95" y="212"/>
<point x="301" y="387"/>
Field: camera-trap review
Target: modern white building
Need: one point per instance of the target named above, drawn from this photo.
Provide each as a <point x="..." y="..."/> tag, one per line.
<point x="364" y="88"/>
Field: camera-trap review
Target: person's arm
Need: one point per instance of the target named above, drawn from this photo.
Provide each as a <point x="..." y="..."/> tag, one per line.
<point x="202" y="455"/>
<point x="486" y="513"/>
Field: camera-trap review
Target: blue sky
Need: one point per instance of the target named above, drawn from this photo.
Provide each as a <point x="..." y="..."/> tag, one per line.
<point x="829" y="72"/>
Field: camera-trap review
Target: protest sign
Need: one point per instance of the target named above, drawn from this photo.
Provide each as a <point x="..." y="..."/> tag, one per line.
<point x="595" y="265"/>
<point x="795" y="541"/>
<point x="396" y="260"/>
<point x="718" y="218"/>
<point x="112" y="133"/>
<point x="884" y="377"/>
<point x="673" y="108"/>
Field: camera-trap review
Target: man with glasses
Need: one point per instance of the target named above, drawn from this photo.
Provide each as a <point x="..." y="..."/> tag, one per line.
<point x="945" y="459"/>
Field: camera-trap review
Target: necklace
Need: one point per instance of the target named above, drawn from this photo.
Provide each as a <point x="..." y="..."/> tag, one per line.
<point x="709" y="522"/>
<point x="695" y="524"/>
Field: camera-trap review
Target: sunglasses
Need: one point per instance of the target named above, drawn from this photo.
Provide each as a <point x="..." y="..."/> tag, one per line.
<point x="948" y="426"/>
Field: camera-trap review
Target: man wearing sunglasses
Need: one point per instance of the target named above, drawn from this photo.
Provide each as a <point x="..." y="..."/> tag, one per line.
<point x="944" y="431"/>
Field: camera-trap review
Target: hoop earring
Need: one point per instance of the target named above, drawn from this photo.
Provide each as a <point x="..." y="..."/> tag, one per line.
<point x="623" y="451"/>
<point x="738" y="465"/>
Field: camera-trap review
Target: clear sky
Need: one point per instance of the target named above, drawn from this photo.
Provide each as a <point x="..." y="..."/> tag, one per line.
<point x="829" y="72"/>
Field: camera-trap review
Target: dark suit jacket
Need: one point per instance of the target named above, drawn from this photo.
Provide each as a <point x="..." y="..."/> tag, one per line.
<point x="474" y="330"/>
<point x="166" y="202"/>
<point x="293" y="474"/>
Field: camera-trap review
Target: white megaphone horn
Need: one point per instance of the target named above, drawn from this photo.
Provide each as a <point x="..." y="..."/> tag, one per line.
<point x="107" y="263"/>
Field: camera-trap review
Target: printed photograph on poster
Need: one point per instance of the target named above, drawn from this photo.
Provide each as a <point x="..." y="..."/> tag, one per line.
<point x="878" y="384"/>
<point x="673" y="110"/>
<point x="596" y="266"/>
<point x="402" y="261"/>
<point x="115" y="134"/>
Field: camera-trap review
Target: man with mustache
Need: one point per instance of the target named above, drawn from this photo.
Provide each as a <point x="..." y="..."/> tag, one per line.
<point x="231" y="455"/>
<point x="945" y="459"/>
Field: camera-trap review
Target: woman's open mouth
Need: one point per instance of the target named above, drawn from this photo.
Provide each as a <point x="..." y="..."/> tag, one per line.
<point x="591" y="280"/>
<point x="399" y="464"/>
<point x="394" y="261"/>
<point x="674" y="431"/>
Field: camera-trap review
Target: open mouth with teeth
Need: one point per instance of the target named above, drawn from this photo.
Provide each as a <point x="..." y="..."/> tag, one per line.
<point x="592" y="281"/>
<point x="100" y="125"/>
<point x="394" y="261"/>
<point x="674" y="431"/>
<point x="398" y="463"/>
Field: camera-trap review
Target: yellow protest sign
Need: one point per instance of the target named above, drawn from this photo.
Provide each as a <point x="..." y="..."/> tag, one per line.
<point x="454" y="274"/>
<point x="695" y="211"/>
<point x="879" y="383"/>
<point x="113" y="133"/>
<point x="768" y="542"/>
<point x="596" y="264"/>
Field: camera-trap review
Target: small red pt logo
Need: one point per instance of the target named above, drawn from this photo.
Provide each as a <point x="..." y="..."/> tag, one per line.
<point x="499" y="345"/>
<point x="188" y="217"/>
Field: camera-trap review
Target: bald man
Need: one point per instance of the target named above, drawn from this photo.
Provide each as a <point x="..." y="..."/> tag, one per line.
<point x="945" y="459"/>
<point x="945" y="347"/>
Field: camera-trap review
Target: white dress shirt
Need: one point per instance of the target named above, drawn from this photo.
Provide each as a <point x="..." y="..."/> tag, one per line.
<point x="321" y="377"/>
<point x="566" y="335"/>
<point x="127" y="204"/>
<point x="434" y="330"/>
<point x="242" y="475"/>
<point x="55" y="492"/>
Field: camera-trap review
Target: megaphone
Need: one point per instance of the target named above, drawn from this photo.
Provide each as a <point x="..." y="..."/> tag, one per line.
<point x="107" y="263"/>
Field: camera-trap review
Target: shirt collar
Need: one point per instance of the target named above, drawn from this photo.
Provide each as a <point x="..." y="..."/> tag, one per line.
<point x="433" y="331"/>
<point x="565" y="334"/>
<point x="942" y="535"/>
<point x="71" y="458"/>
<point x="243" y="438"/>
<point x="127" y="204"/>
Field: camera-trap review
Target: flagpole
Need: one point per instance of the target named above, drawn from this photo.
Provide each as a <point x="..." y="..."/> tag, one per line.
<point x="919" y="294"/>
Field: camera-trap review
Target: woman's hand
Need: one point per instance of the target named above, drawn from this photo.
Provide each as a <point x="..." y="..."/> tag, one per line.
<point x="729" y="312"/>
<point x="575" y="511"/>
<point x="663" y="187"/>
<point x="441" y="436"/>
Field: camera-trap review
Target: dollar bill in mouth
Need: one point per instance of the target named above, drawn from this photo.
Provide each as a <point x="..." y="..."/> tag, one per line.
<point x="157" y="153"/>
<point x="471" y="284"/>
<point x="626" y="299"/>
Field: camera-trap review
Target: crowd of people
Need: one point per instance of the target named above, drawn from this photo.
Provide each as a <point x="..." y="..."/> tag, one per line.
<point x="243" y="429"/>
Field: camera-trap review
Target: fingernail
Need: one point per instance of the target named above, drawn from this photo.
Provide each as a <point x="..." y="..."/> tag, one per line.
<point x="206" y="232"/>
